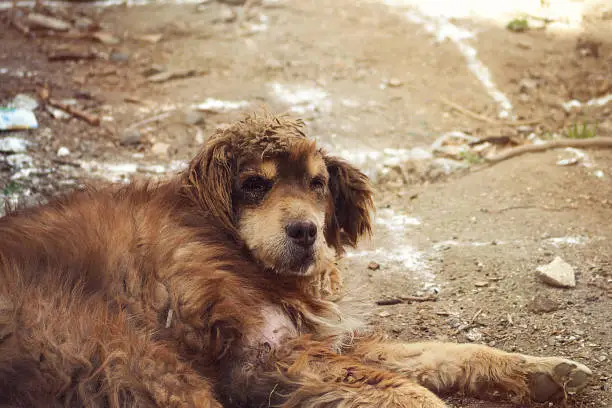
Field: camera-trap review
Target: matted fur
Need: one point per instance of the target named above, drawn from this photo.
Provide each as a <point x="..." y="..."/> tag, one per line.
<point x="149" y="295"/>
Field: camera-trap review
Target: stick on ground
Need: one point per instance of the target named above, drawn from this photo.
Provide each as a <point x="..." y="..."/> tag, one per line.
<point x="92" y="119"/>
<point x="601" y="142"/>
<point x="483" y="118"/>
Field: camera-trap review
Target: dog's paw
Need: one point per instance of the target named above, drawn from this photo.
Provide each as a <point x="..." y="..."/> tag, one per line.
<point x="331" y="283"/>
<point x="553" y="378"/>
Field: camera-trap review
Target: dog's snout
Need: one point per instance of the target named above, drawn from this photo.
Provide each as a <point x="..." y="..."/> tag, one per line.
<point x="303" y="233"/>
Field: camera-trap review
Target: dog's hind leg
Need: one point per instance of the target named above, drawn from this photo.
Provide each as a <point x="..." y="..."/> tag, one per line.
<point x="476" y="369"/>
<point x="56" y="352"/>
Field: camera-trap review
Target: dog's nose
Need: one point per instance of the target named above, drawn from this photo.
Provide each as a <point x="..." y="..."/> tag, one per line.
<point x="303" y="233"/>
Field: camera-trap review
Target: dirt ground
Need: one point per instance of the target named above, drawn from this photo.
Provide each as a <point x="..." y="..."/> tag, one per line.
<point x="378" y="83"/>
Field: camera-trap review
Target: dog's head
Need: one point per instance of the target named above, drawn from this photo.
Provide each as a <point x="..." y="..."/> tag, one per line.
<point x="288" y="201"/>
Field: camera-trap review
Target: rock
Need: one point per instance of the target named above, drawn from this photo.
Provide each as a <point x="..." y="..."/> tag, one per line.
<point x="274" y="64"/>
<point x="13" y="145"/>
<point x="70" y="101"/>
<point x="63" y="152"/>
<point x="153" y="70"/>
<point x="395" y="83"/>
<point x="227" y="15"/>
<point x="474" y="335"/>
<point x="557" y="273"/>
<point x="150" y="38"/>
<point x="481" y="284"/>
<point x="233" y="2"/>
<point x="440" y="167"/>
<point x="84" y="24"/>
<point x="193" y="118"/>
<point x="160" y="149"/>
<point x="384" y="313"/>
<point x="58" y="113"/>
<point x="106" y="38"/>
<point x="116" y="56"/>
<point x="19" y="161"/>
<point x="373" y="266"/>
<point x="203" y="5"/>
<point x="542" y="304"/>
<point x="588" y="47"/>
<point x="36" y="20"/>
<point x="168" y="75"/>
<point x="130" y="137"/>
<point x="527" y="85"/>
<point x="24" y="101"/>
<point x="524" y="44"/>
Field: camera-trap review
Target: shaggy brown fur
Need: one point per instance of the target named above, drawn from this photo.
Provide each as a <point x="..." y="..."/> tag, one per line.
<point x="209" y="290"/>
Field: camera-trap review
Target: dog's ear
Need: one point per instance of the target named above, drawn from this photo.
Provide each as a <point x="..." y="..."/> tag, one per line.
<point x="210" y="176"/>
<point x="349" y="217"/>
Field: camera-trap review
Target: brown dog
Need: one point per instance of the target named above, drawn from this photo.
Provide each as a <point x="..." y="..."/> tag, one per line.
<point x="209" y="291"/>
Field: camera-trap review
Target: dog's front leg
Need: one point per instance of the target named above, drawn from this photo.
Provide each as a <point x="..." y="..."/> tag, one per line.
<point x="476" y="369"/>
<point x="328" y="282"/>
<point x="306" y="373"/>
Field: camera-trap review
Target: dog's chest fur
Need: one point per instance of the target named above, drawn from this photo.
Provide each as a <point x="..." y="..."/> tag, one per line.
<point x="277" y="328"/>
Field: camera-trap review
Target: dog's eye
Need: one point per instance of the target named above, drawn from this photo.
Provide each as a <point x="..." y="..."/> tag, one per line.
<point x="256" y="185"/>
<point x="317" y="183"/>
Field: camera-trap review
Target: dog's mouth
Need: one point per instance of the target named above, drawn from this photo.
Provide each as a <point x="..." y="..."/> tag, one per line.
<point x="297" y="261"/>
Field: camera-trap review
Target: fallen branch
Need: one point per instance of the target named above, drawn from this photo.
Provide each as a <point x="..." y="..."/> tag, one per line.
<point x="603" y="142"/>
<point x="483" y="118"/>
<point x="496" y="140"/>
<point x="389" y="302"/>
<point x="475" y="316"/>
<point x="148" y="120"/>
<point x="65" y="163"/>
<point x="406" y="299"/>
<point x="70" y="56"/>
<point x="92" y="119"/>
<point x="528" y="207"/>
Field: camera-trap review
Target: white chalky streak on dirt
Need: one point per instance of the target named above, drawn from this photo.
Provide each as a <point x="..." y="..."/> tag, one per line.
<point x="218" y="105"/>
<point x="403" y="253"/>
<point x="302" y="98"/>
<point x="120" y="172"/>
<point x="567" y="240"/>
<point x="393" y="221"/>
<point x="601" y="101"/>
<point x="439" y="25"/>
<point x="104" y="3"/>
<point x="373" y="162"/>
<point x="453" y="243"/>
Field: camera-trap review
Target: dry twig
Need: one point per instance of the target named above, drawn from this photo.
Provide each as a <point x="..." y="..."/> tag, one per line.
<point x="602" y="142"/>
<point x="483" y="118"/>
<point x="90" y="118"/>
<point x="406" y="299"/>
